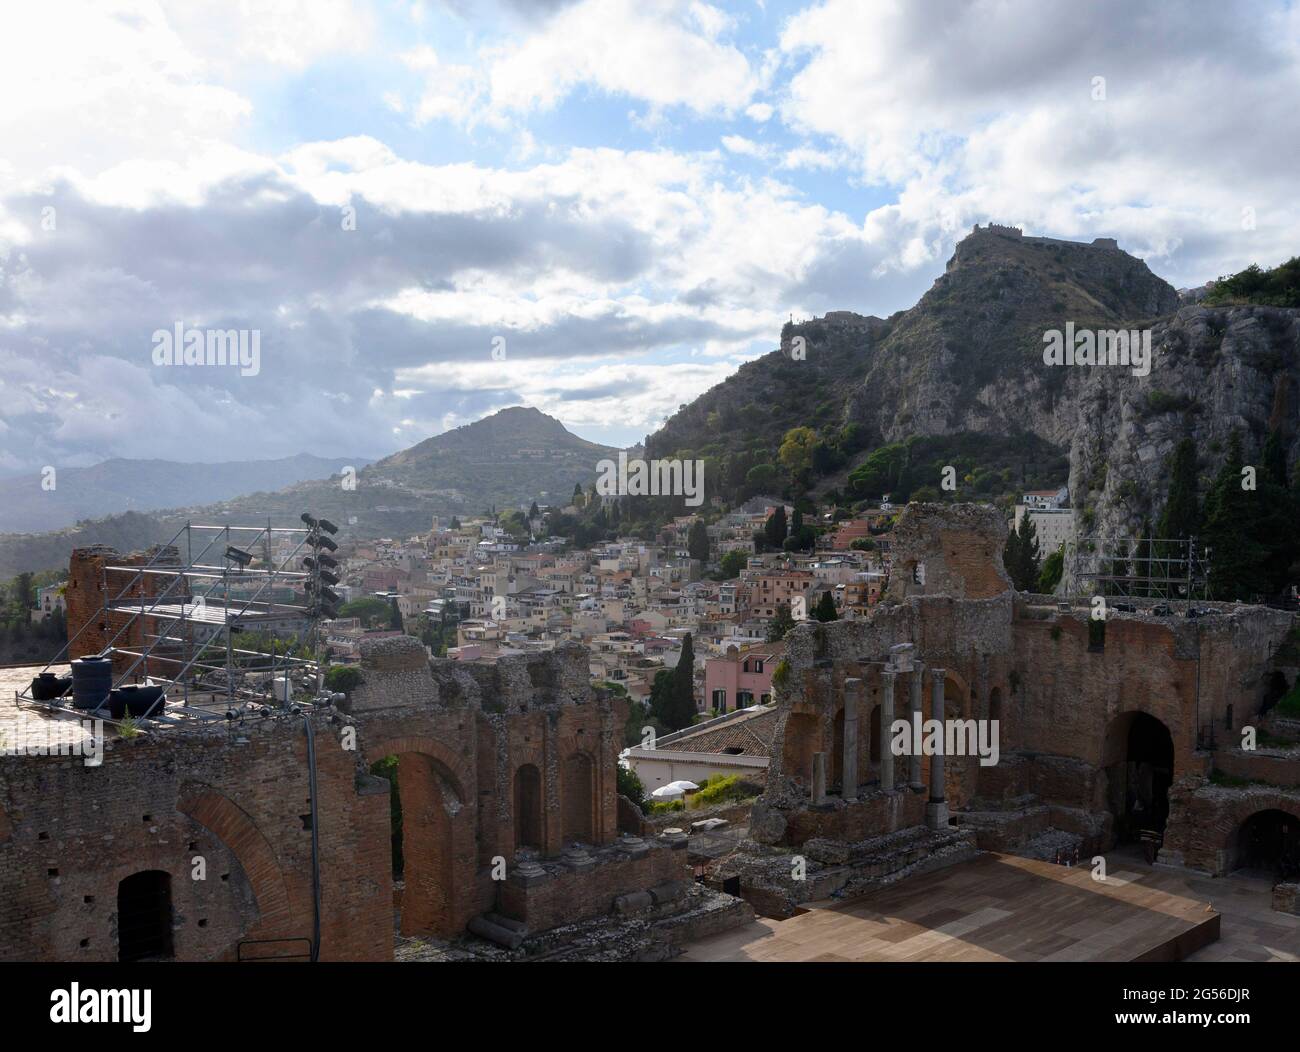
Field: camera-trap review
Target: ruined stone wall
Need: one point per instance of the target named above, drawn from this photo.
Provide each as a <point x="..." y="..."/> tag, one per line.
<point x="1070" y="693"/>
<point x="1204" y="822"/>
<point x="225" y="807"/>
<point x="567" y="892"/>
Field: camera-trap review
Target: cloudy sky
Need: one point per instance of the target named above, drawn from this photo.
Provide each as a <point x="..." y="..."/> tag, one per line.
<point x="633" y="194"/>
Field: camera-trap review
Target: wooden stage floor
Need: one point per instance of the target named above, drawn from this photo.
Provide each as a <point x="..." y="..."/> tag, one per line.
<point x="992" y="908"/>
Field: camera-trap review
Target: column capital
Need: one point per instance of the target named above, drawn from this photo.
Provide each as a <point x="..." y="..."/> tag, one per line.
<point x="938" y="673"/>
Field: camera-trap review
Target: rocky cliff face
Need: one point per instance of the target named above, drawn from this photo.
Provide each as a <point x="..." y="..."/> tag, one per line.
<point x="969" y="355"/>
<point x="1215" y="370"/>
<point x="968" y="358"/>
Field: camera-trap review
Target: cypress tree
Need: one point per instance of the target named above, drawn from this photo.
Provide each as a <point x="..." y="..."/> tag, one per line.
<point x="1011" y="555"/>
<point x="1181" y="518"/>
<point x="697" y="541"/>
<point x="1232" y="528"/>
<point x="825" y="608"/>
<point x="681" y="712"/>
<point x="774" y="530"/>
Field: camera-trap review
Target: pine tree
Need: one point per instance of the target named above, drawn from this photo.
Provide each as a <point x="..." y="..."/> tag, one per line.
<point x="825" y="608"/>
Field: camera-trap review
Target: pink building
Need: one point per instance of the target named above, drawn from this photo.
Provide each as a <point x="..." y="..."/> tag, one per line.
<point x="741" y="678"/>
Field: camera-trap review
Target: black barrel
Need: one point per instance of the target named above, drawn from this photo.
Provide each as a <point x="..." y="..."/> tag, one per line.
<point x="47" y="686"/>
<point x="92" y="679"/>
<point x="136" y="701"/>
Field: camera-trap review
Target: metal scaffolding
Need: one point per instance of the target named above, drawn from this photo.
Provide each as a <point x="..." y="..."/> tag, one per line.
<point x="1172" y="569"/>
<point x="175" y="619"/>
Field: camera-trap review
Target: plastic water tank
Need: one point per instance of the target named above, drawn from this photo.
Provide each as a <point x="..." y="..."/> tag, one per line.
<point x="92" y="679"/>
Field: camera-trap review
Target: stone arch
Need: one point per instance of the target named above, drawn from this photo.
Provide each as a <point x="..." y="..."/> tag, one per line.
<point x="1138" y="759"/>
<point x="1233" y="817"/>
<point x="956" y="695"/>
<point x="1269" y="840"/>
<point x="438" y="835"/>
<point x="230" y="824"/>
<point x="529" y="808"/>
<point x="145" y="916"/>
<point x="578" y="798"/>
<point x="455" y="769"/>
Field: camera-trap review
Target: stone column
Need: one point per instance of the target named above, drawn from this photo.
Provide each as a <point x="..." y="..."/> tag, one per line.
<point x="852" y="688"/>
<point x="936" y="811"/>
<point x="886" y="721"/>
<point x="819" y="778"/>
<point x="918" y="714"/>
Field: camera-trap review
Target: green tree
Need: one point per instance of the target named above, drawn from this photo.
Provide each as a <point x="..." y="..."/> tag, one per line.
<point x="780" y="624"/>
<point x="796" y="451"/>
<point x="1053" y="568"/>
<point x="1232" y="529"/>
<point x="697" y="541"/>
<point x="370" y="610"/>
<point x="672" y="695"/>
<point x="394" y="614"/>
<point x="1181" y="518"/>
<point x="825" y="608"/>
<point x="1020" y="555"/>
<point x="732" y="563"/>
<point x="774" y="531"/>
<point x="629" y="785"/>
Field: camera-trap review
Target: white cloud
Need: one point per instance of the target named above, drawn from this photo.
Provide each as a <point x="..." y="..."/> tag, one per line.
<point x="662" y="52"/>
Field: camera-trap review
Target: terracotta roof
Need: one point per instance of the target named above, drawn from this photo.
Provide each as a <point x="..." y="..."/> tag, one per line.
<point x="751" y="732"/>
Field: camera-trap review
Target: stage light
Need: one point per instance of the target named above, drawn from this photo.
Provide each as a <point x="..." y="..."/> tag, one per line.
<point x="238" y="555"/>
<point x="328" y="526"/>
<point x="309" y="520"/>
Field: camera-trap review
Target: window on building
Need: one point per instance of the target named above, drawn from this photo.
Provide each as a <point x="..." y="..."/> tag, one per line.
<point x="720" y="700"/>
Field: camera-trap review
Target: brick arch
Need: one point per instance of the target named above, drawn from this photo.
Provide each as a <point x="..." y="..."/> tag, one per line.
<point x="230" y="824"/>
<point x="456" y="770"/>
<point x="439" y="841"/>
<point x="1233" y="817"/>
<point x="963" y="693"/>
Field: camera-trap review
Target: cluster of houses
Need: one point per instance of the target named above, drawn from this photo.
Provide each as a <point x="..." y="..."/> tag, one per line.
<point x="630" y="602"/>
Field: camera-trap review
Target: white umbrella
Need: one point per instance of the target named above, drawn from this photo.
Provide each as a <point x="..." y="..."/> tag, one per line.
<point x="673" y="790"/>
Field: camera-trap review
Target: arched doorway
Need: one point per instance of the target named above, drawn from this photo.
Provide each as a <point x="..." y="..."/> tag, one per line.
<point x="1268" y="843"/>
<point x="1275" y="689"/>
<point x="576" y="795"/>
<point x="144" y="917"/>
<point x="1139" y="751"/>
<point x="528" y="807"/>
